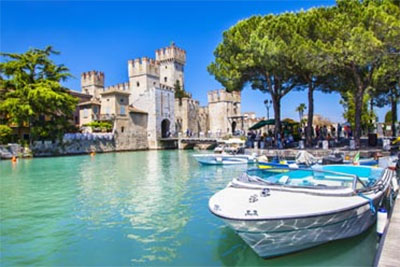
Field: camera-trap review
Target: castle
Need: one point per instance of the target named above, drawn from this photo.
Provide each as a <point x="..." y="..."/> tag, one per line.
<point x="145" y="106"/>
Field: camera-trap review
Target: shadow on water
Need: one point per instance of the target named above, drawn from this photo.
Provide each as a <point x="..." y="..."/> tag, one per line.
<point x="354" y="251"/>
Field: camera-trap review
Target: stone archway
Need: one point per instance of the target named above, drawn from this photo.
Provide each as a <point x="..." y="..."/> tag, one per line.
<point x="233" y="127"/>
<point x="165" y="128"/>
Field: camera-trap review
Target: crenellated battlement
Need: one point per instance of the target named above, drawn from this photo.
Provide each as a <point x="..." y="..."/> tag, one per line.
<point x="92" y="78"/>
<point x="143" y="66"/>
<point x="222" y="95"/>
<point x="171" y="53"/>
<point x="167" y="87"/>
<point x="118" y="87"/>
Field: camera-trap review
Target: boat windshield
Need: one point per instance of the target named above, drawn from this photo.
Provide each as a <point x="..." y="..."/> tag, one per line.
<point x="319" y="177"/>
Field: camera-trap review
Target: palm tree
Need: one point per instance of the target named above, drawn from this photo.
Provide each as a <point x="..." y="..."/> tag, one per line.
<point x="300" y="109"/>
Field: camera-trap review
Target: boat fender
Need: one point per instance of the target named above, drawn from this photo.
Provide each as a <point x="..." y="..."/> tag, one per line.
<point x="371" y="203"/>
<point x="293" y="166"/>
<point x="395" y="184"/>
<point x="219" y="159"/>
<point x="382" y="220"/>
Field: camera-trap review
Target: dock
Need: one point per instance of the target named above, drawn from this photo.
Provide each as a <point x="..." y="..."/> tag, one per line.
<point x="390" y="252"/>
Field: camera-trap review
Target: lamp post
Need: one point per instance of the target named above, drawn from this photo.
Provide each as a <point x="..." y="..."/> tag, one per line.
<point x="267" y="104"/>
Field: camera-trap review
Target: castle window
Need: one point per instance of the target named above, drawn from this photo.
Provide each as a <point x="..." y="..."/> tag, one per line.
<point x="122" y="110"/>
<point x="137" y="84"/>
<point x="154" y="83"/>
<point x="121" y="100"/>
<point x="166" y="67"/>
<point x="122" y="129"/>
<point x="95" y="109"/>
<point x="85" y="113"/>
<point x="165" y="79"/>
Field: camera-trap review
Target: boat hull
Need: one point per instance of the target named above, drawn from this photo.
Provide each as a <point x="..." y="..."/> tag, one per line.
<point x="270" y="238"/>
<point x="223" y="159"/>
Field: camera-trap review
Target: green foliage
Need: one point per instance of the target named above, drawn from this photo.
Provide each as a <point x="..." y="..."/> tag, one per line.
<point x="388" y="117"/>
<point x="367" y="117"/>
<point x="31" y="93"/>
<point x="179" y="91"/>
<point x="5" y="134"/>
<point x="352" y="48"/>
<point x="100" y="125"/>
<point x="300" y="109"/>
<point x="367" y="32"/>
<point x="254" y="52"/>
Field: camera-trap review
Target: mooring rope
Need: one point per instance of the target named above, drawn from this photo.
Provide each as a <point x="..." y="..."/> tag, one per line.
<point x="371" y="203"/>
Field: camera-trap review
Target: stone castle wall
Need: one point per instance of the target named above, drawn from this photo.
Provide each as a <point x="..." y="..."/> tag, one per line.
<point x="203" y="120"/>
<point x="187" y="115"/>
<point x="222" y="106"/>
<point x="131" y="132"/>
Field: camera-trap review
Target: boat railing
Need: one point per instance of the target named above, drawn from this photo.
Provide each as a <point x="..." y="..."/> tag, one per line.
<point x="355" y="178"/>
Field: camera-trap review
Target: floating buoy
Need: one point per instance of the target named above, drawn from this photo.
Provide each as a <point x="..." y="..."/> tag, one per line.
<point x="92" y="154"/>
<point x="14" y="159"/>
<point x="382" y="220"/>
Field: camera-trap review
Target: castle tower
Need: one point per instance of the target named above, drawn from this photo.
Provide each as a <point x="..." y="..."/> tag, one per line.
<point x="172" y="60"/>
<point x="144" y="73"/>
<point x="92" y="83"/>
<point x="224" y="107"/>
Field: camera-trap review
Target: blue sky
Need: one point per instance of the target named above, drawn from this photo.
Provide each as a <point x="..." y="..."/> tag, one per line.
<point x="102" y="35"/>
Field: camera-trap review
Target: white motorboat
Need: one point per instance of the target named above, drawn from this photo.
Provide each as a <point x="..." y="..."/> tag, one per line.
<point x="229" y="152"/>
<point x="278" y="212"/>
<point x="223" y="159"/>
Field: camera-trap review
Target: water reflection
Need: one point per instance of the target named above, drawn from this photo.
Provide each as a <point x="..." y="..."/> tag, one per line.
<point x="140" y="208"/>
<point x="144" y="196"/>
<point x="355" y="251"/>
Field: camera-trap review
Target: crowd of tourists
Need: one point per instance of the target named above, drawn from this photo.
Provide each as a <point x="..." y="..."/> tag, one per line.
<point x="289" y="138"/>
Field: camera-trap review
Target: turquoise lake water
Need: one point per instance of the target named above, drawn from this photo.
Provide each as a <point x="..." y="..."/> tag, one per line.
<point x="136" y="208"/>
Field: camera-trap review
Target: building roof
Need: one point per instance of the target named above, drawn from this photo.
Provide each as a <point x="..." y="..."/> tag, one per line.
<point x="109" y="92"/>
<point x="136" y="110"/>
<point x="78" y="94"/>
<point x="91" y="102"/>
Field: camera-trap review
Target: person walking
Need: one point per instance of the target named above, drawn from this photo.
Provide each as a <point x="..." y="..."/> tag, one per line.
<point x="317" y="131"/>
<point x="333" y="131"/>
<point x="339" y="130"/>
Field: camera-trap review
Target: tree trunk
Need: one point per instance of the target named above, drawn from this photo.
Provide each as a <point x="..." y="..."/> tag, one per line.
<point x="394" y="115"/>
<point x="358" y="101"/>
<point x="371" y="126"/>
<point x="310" y="114"/>
<point x="276" y="101"/>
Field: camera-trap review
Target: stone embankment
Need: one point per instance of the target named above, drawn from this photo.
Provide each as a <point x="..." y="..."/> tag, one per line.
<point x="75" y="144"/>
<point x="14" y="150"/>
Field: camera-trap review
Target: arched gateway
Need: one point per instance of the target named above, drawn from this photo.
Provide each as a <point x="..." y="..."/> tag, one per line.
<point x="165" y="128"/>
